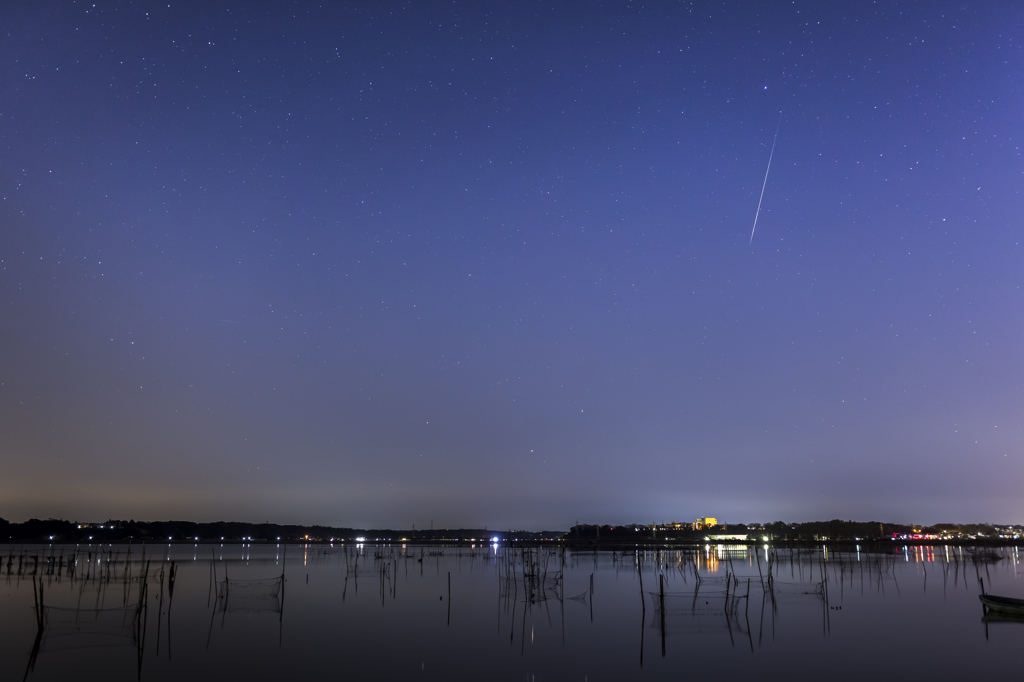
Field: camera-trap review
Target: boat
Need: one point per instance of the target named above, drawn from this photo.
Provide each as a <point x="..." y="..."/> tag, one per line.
<point x="1007" y="605"/>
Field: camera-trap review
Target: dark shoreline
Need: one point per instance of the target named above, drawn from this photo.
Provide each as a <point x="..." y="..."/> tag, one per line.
<point x="841" y="546"/>
<point x="836" y="533"/>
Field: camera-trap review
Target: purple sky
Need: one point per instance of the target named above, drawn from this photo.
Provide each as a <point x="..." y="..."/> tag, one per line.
<point x="490" y="263"/>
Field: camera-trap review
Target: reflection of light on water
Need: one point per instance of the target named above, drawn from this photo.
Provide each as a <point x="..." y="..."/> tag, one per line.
<point x="924" y="554"/>
<point x="710" y="559"/>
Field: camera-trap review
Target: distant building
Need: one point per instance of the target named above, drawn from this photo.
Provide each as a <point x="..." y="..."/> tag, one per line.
<point x="706" y="522"/>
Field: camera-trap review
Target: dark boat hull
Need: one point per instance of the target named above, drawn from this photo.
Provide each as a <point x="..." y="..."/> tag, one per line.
<point x="1007" y="605"/>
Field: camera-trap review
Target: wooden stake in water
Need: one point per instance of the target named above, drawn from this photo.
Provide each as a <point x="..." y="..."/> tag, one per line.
<point x="661" y="591"/>
<point x="639" y="572"/>
<point x="39" y="604"/>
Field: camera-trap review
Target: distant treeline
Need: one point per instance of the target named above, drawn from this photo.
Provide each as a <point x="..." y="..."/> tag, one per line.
<point x="778" y="530"/>
<point x="59" y="530"/>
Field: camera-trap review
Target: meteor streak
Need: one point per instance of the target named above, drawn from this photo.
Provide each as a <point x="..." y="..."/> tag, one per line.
<point x="765" y="183"/>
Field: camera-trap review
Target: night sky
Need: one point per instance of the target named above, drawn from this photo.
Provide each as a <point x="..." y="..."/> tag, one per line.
<point x="490" y="264"/>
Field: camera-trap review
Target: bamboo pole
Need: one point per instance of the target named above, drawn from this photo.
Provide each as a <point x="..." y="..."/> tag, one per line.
<point x="639" y="571"/>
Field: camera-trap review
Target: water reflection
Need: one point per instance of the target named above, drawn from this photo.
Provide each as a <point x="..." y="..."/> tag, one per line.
<point x="443" y="612"/>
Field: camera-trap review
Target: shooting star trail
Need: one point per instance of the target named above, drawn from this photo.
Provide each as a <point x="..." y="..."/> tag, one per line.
<point x="765" y="183"/>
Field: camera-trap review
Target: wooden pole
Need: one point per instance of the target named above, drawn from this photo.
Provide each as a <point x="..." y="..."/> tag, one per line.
<point x="39" y="605"/>
<point x="661" y="593"/>
<point x="639" y="572"/>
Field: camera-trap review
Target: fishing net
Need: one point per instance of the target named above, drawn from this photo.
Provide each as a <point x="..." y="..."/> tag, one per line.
<point x="693" y="612"/>
<point x="581" y="598"/>
<point x="250" y="596"/>
<point x="533" y="588"/>
<point x="73" y="628"/>
<point x="792" y="589"/>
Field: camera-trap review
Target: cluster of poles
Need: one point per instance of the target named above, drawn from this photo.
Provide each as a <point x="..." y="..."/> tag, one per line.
<point x="99" y="571"/>
<point x="528" y="575"/>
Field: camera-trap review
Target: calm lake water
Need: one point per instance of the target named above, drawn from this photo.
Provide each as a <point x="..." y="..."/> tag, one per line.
<point x="506" y="613"/>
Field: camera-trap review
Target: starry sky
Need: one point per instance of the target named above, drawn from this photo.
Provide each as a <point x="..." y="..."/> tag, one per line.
<point x="477" y="264"/>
